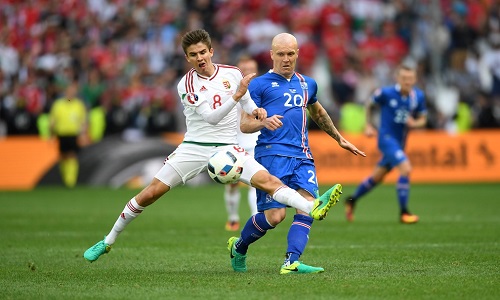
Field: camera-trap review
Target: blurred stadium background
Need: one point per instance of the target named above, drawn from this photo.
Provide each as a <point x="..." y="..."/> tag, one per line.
<point x="126" y="57"/>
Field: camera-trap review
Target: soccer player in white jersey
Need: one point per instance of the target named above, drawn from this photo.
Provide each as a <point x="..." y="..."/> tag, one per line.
<point x="209" y="93"/>
<point x="247" y="141"/>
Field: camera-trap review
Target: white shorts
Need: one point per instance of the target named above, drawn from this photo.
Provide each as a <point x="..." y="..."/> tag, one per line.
<point x="248" y="140"/>
<point x="189" y="160"/>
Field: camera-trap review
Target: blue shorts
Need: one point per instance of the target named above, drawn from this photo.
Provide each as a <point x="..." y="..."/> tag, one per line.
<point x="392" y="153"/>
<point x="296" y="173"/>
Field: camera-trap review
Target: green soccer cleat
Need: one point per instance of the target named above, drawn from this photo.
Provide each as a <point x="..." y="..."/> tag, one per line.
<point x="238" y="261"/>
<point x="299" y="268"/>
<point x="94" y="252"/>
<point x="323" y="204"/>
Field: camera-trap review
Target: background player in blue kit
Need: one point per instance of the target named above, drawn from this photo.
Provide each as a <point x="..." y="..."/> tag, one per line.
<point x="283" y="148"/>
<point x="402" y="107"/>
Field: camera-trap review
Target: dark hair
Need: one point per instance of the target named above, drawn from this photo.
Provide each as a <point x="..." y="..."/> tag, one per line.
<point x="194" y="37"/>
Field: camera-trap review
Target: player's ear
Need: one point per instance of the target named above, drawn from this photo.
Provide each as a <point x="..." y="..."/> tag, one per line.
<point x="211" y="52"/>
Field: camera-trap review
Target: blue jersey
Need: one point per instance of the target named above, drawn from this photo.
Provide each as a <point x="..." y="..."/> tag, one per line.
<point x="289" y="98"/>
<point x="394" y="111"/>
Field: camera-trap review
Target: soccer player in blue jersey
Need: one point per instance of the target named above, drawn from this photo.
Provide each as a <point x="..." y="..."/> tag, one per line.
<point x="283" y="148"/>
<point x="402" y="107"/>
<point x="209" y="93"/>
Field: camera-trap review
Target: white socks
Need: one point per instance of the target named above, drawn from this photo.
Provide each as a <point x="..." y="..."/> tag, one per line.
<point x="252" y="200"/>
<point x="290" y="197"/>
<point x="129" y="213"/>
<point x="232" y="200"/>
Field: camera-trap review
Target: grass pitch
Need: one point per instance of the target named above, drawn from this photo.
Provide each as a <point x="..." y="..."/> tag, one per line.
<point x="177" y="248"/>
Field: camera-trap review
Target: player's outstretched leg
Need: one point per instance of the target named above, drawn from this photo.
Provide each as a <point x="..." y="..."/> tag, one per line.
<point x="299" y="268"/>
<point x="94" y="252"/>
<point x="238" y="261"/>
<point x="323" y="204"/>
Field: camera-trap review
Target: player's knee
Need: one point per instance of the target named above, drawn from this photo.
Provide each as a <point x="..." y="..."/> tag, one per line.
<point x="405" y="169"/>
<point x="232" y="188"/>
<point x="151" y="193"/>
<point x="263" y="180"/>
<point x="378" y="179"/>
<point x="406" y="172"/>
<point x="409" y="169"/>
<point x="275" y="216"/>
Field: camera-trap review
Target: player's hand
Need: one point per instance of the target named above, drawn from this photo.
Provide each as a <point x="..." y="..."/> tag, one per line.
<point x="350" y="147"/>
<point x="370" y="130"/>
<point x="273" y="122"/>
<point x="410" y="122"/>
<point x="260" y="113"/>
<point x="243" y="87"/>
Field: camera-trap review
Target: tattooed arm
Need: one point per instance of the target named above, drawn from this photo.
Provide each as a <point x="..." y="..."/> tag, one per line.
<point x="320" y="116"/>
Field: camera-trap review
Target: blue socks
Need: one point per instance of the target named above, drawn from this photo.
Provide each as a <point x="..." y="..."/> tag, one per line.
<point x="255" y="228"/>
<point x="298" y="236"/>
<point x="367" y="185"/>
<point x="403" y="191"/>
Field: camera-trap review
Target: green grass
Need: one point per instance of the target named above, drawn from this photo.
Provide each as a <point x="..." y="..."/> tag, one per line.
<point x="177" y="248"/>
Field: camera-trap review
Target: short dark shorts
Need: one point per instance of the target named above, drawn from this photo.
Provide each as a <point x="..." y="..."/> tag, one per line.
<point x="68" y="144"/>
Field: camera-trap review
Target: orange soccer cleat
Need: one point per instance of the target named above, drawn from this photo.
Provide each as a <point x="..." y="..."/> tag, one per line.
<point x="408" y="218"/>
<point x="349" y="209"/>
<point x="232" y="225"/>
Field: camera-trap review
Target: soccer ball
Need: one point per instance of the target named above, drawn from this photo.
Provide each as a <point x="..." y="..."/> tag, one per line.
<point x="225" y="166"/>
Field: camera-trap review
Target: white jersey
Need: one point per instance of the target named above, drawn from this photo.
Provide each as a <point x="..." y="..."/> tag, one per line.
<point x="196" y="90"/>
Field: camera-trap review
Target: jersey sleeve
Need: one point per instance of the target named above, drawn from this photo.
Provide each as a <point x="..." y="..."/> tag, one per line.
<point x="247" y="104"/>
<point x="193" y="99"/>
<point x="200" y="105"/>
<point x="378" y="96"/>
<point x="189" y="99"/>
<point x="313" y="91"/>
<point x="255" y="91"/>
<point x="421" y="106"/>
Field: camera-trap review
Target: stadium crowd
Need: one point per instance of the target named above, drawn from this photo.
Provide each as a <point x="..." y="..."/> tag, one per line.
<point x="126" y="57"/>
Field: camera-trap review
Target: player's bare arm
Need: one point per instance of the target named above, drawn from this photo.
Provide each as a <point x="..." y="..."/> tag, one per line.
<point x="418" y="122"/>
<point x="370" y="130"/>
<point x="250" y="124"/>
<point x="321" y="117"/>
<point x="260" y="114"/>
<point x="274" y="122"/>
